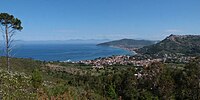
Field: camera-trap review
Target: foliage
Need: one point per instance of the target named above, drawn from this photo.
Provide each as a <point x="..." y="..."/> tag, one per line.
<point x="11" y="24"/>
<point x="174" y="45"/>
<point x="15" y="86"/>
<point x="158" y="81"/>
<point x="128" y="43"/>
<point x="36" y="78"/>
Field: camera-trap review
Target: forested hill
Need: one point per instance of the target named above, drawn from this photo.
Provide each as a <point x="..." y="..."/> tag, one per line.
<point x="174" y="44"/>
<point x="128" y="43"/>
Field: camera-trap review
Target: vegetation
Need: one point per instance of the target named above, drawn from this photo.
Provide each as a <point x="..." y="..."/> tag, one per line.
<point x="128" y="43"/>
<point x="31" y="79"/>
<point x="174" y="45"/>
<point x="11" y="24"/>
<point x="158" y="81"/>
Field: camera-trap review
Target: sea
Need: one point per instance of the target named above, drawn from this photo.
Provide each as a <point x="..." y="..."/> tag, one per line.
<point x="65" y="52"/>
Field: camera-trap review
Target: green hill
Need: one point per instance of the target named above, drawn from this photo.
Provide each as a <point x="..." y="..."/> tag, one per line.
<point x="37" y="80"/>
<point x="32" y="80"/>
<point x="128" y="43"/>
<point x="174" y="44"/>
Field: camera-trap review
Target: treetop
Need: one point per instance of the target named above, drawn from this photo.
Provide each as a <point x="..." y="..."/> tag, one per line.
<point x="7" y="19"/>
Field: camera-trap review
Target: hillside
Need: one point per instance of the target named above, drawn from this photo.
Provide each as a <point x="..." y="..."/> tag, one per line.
<point x="174" y="45"/>
<point x="128" y="43"/>
<point x="32" y="80"/>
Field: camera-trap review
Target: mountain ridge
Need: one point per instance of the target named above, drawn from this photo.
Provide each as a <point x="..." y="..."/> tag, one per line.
<point x="174" y="45"/>
<point x="128" y="43"/>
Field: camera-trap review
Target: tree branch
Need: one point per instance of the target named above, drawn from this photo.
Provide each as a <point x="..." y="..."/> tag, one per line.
<point x="10" y="40"/>
<point x="10" y="26"/>
<point x="2" y="30"/>
<point x="10" y="50"/>
<point x="13" y="30"/>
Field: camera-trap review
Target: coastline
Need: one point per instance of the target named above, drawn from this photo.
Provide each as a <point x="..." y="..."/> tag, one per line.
<point x="132" y="50"/>
<point x="67" y="52"/>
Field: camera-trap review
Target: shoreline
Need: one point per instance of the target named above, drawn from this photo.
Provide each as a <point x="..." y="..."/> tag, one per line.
<point x="90" y="52"/>
<point x="132" y="50"/>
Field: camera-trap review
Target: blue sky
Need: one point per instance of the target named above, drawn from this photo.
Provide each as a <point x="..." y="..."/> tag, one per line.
<point x="103" y="19"/>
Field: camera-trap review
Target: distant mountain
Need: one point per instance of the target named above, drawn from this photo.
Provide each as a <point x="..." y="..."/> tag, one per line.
<point x="72" y="41"/>
<point x="128" y="43"/>
<point x="174" y="44"/>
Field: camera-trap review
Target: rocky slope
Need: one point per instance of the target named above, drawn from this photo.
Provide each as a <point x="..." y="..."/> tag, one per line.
<point x="174" y="45"/>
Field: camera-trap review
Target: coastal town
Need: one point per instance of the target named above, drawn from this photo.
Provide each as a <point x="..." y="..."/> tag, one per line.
<point x="133" y="60"/>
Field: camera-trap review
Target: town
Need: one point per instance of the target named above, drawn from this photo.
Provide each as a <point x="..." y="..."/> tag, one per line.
<point x="134" y="60"/>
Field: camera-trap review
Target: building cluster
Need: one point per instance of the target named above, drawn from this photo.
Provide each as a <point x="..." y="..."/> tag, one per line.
<point x="119" y="60"/>
<point x="179" y="59"/>
<point x="134" y="60"/>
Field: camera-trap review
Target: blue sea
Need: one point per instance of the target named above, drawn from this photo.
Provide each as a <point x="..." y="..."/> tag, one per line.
<point x="65" y="52"/>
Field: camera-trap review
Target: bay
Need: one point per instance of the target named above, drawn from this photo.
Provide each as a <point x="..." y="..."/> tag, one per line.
<point x="65" y="52"/>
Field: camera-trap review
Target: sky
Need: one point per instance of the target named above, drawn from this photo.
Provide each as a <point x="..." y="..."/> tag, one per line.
<point x="103" y="19"/>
